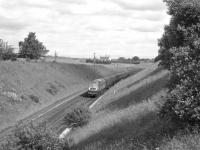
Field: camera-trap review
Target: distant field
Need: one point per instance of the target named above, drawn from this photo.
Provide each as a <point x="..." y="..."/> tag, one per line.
<point x="66" y="60"/>
<point x="114" y="66"/>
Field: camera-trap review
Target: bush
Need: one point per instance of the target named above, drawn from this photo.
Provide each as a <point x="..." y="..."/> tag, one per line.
<point x="33" y="137"/>
<point x="78" y="117"/>
<point x="9" y="56"/>
<point x="52" y="89"/>
<point x="14" y="58"/>
<point x="6" y="51"/>
<point x="34" y="98"/>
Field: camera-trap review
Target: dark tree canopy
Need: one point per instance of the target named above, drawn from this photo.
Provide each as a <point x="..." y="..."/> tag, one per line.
<point x="135" y="58"/>
<point x="180" y="53"/>
<point x="31" y="47"/>
<point x="184" y="14"/>
<point x="6" y="51"/>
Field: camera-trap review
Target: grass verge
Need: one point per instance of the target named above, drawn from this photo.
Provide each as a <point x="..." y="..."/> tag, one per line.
<point x="129" y="122"/>
<point x="136" y="127"/>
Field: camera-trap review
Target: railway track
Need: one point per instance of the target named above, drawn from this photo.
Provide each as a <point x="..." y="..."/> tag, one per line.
<point x="53" y="115"/>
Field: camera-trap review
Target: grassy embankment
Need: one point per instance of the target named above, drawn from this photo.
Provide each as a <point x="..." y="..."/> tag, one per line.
<point x="26" y="87"/>
<point x="129" y="119"/>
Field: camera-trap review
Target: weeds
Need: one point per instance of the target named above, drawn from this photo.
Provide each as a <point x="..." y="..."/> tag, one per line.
<point x="33" y="137"/>
<point x="52" y="89"/>
<point x="184" y="140"/>
<point x="34" y="98"/>
<point x="77" y="118"/>
<point x="136" y="123"/>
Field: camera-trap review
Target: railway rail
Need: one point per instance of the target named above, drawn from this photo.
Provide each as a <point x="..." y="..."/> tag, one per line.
<point x="53" y="115"/>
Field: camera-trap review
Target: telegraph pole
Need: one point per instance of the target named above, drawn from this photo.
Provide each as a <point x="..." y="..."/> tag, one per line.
<point x="55" y="56"/>
<point x="94" y="61"/>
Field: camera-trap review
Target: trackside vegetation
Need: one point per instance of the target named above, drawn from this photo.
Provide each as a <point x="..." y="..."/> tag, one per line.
<point x="33" y="137"/>
<point x="156" y="109"/>
<point x="78" y="117"/>
<point x="180" y="53"/>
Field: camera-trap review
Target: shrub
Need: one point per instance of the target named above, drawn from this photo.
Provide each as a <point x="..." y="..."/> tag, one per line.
<point x="33" y="137"/>
<point x="52" y="89"/>
<point x="14" y="58"/>
<point x="6" y="51"/>
<point x="9" y="56"/>
<point x="34" y="98"/>
<point x="78" y="117"/>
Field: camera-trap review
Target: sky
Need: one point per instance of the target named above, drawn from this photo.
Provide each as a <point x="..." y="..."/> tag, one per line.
<point x="78" y="28"/>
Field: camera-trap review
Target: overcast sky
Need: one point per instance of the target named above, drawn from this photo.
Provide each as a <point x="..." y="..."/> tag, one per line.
<point x="78" y="28"/>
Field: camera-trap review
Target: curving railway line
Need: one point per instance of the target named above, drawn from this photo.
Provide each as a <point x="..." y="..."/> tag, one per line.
<point x="53" y="115"/>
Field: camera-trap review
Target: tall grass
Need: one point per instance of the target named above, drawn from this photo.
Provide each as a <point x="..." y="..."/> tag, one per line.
<point x="137" y="126"/>
<point x="121" y="86"/>
<point x="184" y="140"/>
<point x="142" y="91"/>
<point x="149" y="85"/>
<point x="134" y="121"/>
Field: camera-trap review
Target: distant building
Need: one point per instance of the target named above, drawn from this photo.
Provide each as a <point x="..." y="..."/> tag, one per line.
<point x="105" y="58"/>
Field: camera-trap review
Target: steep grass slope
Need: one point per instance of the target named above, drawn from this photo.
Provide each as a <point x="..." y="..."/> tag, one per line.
<point x="126" y="86"/>
<point x="130" y="121"/>
<point x="26" y="87"/>
<point x="136" y="127"/>
<point x="183" y="140"/>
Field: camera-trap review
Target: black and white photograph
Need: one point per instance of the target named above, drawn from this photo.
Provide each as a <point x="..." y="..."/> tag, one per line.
<point x="100" y="75"/>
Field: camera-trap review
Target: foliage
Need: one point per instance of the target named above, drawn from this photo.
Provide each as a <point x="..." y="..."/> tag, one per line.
<point x="185" y="14"/>
<point x="31" y="47"/>
<point x="131" y="128"/>
<point x="98" y="61"/>
<point x="78" y="117"/>
<point x="32" y="137"/>
<point x="183" y="60"/>
<point x="135" y="58"/>
<point x="34" y="98"/>
<point x="52" y="89"/>
<point x="6" y="51"/>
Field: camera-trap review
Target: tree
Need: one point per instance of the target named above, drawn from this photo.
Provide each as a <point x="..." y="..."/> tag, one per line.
<point x="31" y="47"/>
<point x="136" y="58"/>
<point x="185" y="13"/>
<point x="180" y="50"/>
